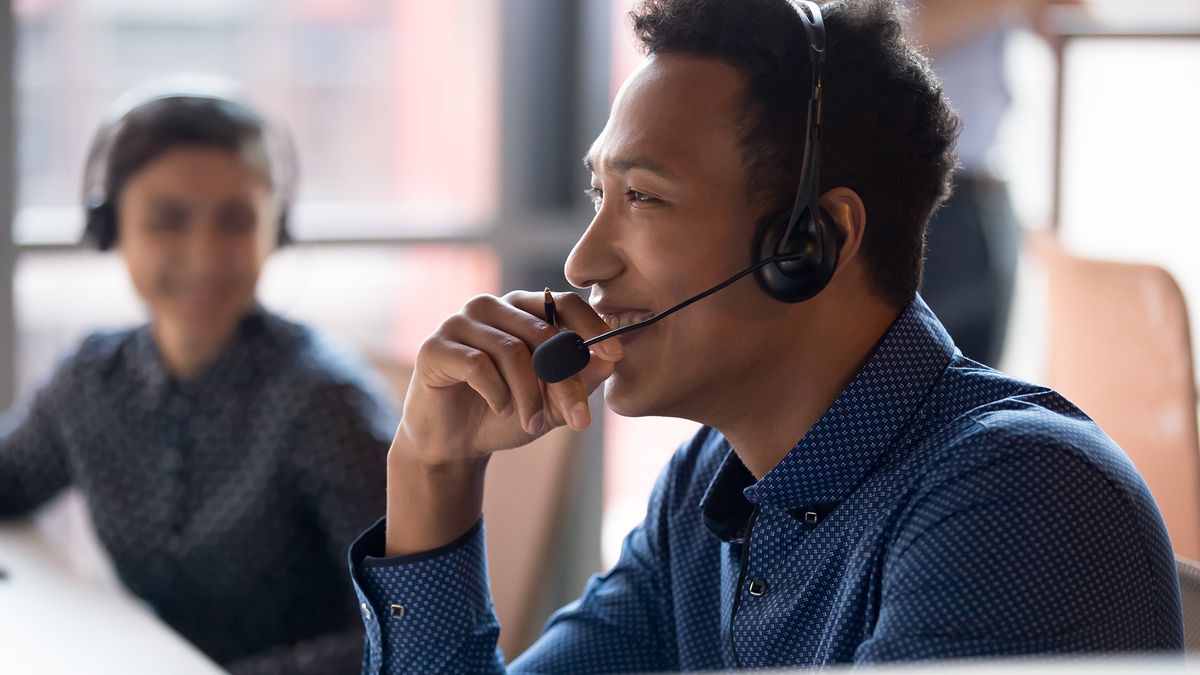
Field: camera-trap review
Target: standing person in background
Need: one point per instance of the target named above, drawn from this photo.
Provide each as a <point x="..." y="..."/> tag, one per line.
<point x="213" y="443"/>
<point x="973" y="240"/>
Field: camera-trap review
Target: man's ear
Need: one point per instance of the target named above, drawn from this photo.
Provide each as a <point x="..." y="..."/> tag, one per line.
<point x="849" y="217"/>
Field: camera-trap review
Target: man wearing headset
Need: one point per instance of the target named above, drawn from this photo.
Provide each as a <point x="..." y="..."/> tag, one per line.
<point x="860" y="492"/>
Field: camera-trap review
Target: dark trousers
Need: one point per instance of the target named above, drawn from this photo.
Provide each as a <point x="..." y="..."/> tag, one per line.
<point x="970" y="265"/>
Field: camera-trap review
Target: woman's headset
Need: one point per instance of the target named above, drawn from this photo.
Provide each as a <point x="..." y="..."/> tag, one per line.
<point x="100" y="196"/>
<point x="806" y="229"/>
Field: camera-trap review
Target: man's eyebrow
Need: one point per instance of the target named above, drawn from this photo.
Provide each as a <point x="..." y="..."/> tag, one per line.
<point x="626" y="164"/>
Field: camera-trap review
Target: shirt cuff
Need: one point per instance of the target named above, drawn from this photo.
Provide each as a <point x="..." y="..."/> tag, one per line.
<point x="415" y="606"/>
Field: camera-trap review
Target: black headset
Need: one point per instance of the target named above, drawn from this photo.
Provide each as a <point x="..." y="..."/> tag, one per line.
<point x="805" y="230"/>
<point x="100" y="211"/>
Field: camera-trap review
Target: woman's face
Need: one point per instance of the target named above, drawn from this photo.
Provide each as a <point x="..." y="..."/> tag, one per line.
<point x="195" y="227"/>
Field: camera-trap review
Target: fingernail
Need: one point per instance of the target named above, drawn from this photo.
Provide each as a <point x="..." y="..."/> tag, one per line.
<point x="536" y="422"/>
<point x="579" y="415"/>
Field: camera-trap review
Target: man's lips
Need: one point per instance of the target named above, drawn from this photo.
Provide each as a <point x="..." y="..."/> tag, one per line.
<point x="623" y="318"/>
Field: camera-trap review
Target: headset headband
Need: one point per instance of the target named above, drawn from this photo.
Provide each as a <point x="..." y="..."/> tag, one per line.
<point x="278" y="144"/>
<point x="808" y="191"/>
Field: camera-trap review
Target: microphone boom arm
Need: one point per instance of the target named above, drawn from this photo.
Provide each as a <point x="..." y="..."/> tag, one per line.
<point x="695" y="298"/>
<point x="567" y="353"/>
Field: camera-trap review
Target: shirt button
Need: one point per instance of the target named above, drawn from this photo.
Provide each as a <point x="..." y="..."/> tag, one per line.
<point x="397" y="611"/>
<point x="758" y="587"/>
<point x="366" y="611"/>
<point x="809" y="516"/>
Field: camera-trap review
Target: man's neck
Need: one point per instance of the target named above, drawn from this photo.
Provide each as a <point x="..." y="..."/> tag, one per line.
<point x="777" y="406"/>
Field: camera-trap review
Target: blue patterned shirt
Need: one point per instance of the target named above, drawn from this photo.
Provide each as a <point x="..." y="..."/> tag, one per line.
<point x="939" y="509"/>
<point x="226" y="501"/>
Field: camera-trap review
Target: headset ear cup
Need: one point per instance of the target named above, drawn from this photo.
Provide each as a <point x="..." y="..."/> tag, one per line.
<point x="803" y="278"/>
<point x="101" y="226"/>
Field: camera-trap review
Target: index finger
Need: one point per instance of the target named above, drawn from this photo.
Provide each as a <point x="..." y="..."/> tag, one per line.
<point x="574" y="314"/>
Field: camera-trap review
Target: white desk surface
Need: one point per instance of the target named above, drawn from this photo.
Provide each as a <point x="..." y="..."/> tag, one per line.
<point x="52" y="620"/>
<point x="1087" y="665"/>
<point x="56" y="620"/>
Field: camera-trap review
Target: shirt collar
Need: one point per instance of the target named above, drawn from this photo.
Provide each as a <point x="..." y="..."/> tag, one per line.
<point x="236" y="361"/>
<point x="850" y="439"/>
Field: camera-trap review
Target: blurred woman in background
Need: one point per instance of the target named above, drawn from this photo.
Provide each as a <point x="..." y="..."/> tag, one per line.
<point x="213" y="443"/>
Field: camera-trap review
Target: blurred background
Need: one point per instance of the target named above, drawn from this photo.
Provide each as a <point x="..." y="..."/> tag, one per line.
<point x="439" y="145"/>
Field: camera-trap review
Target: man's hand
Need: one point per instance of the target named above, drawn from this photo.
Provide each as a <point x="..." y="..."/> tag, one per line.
<point x="473" y="392"/>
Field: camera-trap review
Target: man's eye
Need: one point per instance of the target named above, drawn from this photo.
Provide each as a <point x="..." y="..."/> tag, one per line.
<point x="597" y="197"/>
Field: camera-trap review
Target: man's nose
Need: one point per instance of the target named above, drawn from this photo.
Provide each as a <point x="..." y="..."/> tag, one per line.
<point x="596" y="257"/>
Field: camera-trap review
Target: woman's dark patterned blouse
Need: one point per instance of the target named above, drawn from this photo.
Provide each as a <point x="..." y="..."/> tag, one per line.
<point x="228" y="501"/>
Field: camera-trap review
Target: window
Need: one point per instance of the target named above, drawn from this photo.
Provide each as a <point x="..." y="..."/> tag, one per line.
<point x="1128" y="153"/>
<point x="388" y="146"/>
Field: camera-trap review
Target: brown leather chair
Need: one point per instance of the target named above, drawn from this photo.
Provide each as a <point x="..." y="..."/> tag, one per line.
<point x="1120" y="348"/>
<point x="523" y="504"/>
<point x="1189" y="587"/>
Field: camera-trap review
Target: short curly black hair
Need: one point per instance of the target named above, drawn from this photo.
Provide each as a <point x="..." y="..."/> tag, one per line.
<point x="888" y="132"/>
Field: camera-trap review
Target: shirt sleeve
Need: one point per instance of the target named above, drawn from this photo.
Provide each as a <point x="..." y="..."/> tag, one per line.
<point x="33" y="463"/>
<point x="432" y="612"/>
<point x="619" y="623"/>
<point x="429" y="612"/>
<point x="1040" y="549"/>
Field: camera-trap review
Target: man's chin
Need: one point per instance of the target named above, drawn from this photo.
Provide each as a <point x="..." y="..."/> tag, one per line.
<point x="650" y="394"/>
<point x="619" y="398"/>
<point x="628" y="398"/>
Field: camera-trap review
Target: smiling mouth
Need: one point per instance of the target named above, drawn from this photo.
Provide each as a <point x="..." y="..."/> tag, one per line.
<point x="624" y="319"/>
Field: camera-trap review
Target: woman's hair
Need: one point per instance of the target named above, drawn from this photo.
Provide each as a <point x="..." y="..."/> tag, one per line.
<point x="164" y="123"/>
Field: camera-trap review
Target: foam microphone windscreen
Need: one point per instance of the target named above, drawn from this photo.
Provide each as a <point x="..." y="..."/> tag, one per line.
<point x="560" y="357"/>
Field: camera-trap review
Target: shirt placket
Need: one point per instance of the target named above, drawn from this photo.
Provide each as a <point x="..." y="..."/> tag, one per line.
<point x="774" y="540"/>
<point x="748" y="628"/>
<point x="174" y="470"/>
